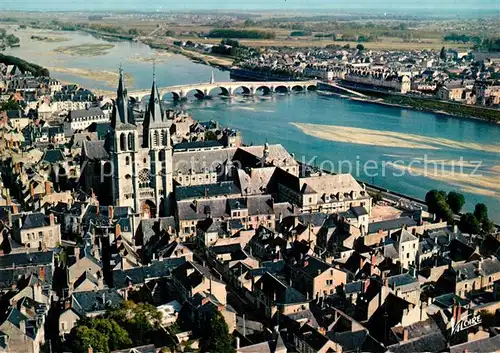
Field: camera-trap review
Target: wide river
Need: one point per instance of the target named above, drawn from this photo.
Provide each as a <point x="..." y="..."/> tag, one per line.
<point x="399" y="149"/>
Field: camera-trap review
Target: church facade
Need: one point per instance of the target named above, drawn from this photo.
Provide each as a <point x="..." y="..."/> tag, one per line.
<point x="138" y="168"/>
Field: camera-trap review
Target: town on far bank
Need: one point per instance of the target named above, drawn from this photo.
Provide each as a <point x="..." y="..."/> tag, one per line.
<point x="129" y="227"/>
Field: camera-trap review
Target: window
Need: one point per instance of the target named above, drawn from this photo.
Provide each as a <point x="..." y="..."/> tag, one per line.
<point x="413" y="245"/>
<point x="130" y="141"/>
<point x="164" y="137"/>
<point x="127" y="160"/>
<point x="408" y="255"/>
<point x="123" y="142"/>
<point x="156" y="141"/>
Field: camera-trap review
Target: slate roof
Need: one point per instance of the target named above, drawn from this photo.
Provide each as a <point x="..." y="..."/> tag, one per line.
<point x="316" y="219"/>
<point x="32" y="220"/>
<point x="26" y="259"/>
<point x="433" y="342"/>
<point x="95" y="150"/>
<point x="95" y="301"/>
<point x="449" y="299"/>
<point x="353" y="287"/>
<point x="86" y="275"/>
<point x="391" y="224"/>
<point x="489" y="344"/>
<point x="53" y="156"/>
<point x="256" y="181"/>
<point x="142" y="274"/>
<point x="196" y="144"/>
<point x="409" y="282"/>
<point x="285" y="295"/>
<point x="312" y="337"/>
<point x="226" y="188"/>
<point x="195" y="278"/>
<point x="359" y="211"/>
<point x="312" y="266"/>
<point x="201" y="161"/>
<point x="188" y="210"/>
<point x="85" y="113"/>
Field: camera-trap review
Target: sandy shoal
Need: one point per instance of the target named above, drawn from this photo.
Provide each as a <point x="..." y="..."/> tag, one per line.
<point x="108" y="77"/>
<point x="477" y="183"/>
<point x="387" y="138"/>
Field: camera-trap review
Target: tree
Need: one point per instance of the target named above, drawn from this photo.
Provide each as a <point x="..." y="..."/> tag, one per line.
<point x="83" y="337"/>
<point x="132" y="31"/>
<point x="360" y="47"/>
<point x="347" y="46"/>
<point x="432" y="199"/>
<point x="436" y="203"/>
<point x="376" y="197"/>
<point x="442" y="54"/>
<point x="216" y="337"/>
<point x="118" y="338"/>
<point x="456" y="201"/>
<point x="469" y="224"/>
<point x="481" y="212"/>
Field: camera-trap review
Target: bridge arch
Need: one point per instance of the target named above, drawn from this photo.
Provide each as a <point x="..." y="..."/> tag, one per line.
<point x="263" y="90"/>
<point x="244" y="89"/>
<point x="298" y="88"/>
<point x="196" y="92"/>
<point x="145" y="99"/>
<point x="312" y="87"/>
<point x="281" y="89"/>
<point x="170" y="95"/>
<point x="218" y="91"/>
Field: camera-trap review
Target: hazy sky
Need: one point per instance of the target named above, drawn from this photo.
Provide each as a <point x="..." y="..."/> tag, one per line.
<point x="92" y="5"/>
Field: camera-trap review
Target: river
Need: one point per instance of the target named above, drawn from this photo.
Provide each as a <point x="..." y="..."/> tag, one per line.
<point x="379" y="142"/>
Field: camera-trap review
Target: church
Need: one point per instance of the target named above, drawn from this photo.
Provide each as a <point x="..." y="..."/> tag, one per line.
<point x="133" y="165"/>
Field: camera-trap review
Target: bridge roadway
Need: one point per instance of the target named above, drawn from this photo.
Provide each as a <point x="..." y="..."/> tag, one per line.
<point x="228" y="88"/>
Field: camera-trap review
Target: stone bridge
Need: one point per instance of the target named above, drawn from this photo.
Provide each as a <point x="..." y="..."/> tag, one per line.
<point x="202" y="90"/>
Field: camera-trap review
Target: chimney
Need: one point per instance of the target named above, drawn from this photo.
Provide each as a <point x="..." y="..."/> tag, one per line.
<point x="48" y="188"/>
<point x="366" y="284"/>
<point x="405" y="334"/>
<point x="459" y="312"/>
<point x="117" y="230"/>
<point x="51" y="219"/>
<point x="110" y="212"/>
<point x="41" y="273"/>
<point x="373" y="260"/>
<point x="67" y="304"/>
<point x="32" y="191"/>
<point x="237" y="343"/>
<point x="9" y="215"/>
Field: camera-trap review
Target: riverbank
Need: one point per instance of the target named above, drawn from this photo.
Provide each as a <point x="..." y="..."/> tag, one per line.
<point x="451" y="109"/>
<point x="222" y="63"/>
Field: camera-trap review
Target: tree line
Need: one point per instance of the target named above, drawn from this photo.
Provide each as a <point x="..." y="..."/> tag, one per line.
<point x="241" y="34"/>
<point x="24" y="66"/>
<point x="132" y="325"/>
<point x="446" y="205"/>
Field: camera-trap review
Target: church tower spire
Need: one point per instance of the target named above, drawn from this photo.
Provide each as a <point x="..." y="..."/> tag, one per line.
<point x="154" y="117"/>
<point x="122" y="112"/>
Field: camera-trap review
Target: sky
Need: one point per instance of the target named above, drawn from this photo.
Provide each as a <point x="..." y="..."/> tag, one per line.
<point x="177" y="5"/>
